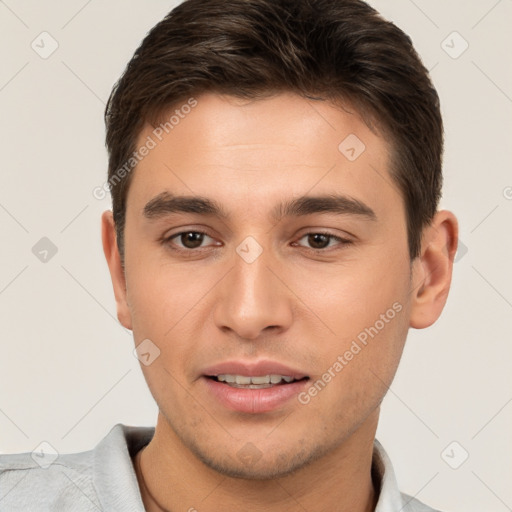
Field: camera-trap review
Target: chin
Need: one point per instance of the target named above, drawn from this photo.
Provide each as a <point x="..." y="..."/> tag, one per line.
<point x="249" y="463"/>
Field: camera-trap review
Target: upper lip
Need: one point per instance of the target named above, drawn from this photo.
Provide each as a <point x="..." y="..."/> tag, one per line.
<point x="253" y="369"/>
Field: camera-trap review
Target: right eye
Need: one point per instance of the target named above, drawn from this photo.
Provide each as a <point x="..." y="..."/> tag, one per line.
<point x="189" y="242"/>
<point x="188" y="239"/>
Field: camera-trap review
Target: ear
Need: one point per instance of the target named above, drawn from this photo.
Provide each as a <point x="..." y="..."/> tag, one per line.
<point x="111" y="250"/>
<point x="432" y="270"/>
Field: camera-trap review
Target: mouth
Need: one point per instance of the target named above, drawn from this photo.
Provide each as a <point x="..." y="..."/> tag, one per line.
<point x="253" y="387"/>
<point x="255" y="381"/>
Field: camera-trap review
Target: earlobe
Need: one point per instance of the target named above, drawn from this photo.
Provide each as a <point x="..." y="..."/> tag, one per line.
<point x="432" y="270"/>
<point x="111" y="251"/>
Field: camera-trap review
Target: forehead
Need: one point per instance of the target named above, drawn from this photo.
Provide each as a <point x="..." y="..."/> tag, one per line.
<point x="255" y="151"/>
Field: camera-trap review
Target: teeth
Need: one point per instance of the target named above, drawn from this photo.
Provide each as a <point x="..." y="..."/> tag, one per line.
<point x="259" y="380"/>
<point x="264" y="379"/>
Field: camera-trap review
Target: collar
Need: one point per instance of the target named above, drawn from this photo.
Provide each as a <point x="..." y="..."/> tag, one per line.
<point x="118" y="490"/>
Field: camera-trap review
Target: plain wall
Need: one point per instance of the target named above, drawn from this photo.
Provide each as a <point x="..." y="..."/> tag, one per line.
<point x="67" y="371"/>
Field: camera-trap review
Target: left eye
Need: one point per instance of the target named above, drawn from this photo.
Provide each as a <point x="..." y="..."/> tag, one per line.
<point x="321" y="240"/>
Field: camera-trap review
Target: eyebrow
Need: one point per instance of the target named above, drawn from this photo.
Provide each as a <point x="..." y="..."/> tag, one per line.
<point x="337" y="204"/>
<point x="167" y="203"/>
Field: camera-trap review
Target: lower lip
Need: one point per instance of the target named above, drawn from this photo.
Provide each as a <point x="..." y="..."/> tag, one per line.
<point x="254" y="401"/>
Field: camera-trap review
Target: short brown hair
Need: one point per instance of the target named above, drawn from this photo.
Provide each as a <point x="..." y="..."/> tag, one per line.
<point x="327" y="49"/>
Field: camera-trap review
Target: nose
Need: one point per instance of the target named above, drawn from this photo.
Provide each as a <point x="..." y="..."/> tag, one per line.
<point x="251" y="299"/>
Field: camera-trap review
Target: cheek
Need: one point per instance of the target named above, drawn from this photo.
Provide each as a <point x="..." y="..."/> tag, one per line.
<point x="366" y="310"/>
<point x="167" y="308"/>
<point x="348" y="298"/>
<point x="161" y="306"/>
<point x="161" y="294"/>
<point x="359" y="368"/>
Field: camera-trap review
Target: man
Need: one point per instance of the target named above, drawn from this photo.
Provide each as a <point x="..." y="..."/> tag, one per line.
<point x="275" y="170"/>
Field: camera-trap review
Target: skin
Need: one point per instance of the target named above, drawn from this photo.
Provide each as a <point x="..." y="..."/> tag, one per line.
<point x="293" y="304"/>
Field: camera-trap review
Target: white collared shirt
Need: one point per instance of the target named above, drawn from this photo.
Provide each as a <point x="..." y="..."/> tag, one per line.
<point x="104" y="480"/>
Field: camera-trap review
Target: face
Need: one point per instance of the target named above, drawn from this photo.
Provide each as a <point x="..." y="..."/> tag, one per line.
<point x="266" y="238"/>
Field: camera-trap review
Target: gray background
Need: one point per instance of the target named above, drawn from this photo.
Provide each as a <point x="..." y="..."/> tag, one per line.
<point x="67" y="371"/>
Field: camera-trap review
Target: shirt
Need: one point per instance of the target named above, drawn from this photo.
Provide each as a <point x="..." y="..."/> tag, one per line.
<point x="104" y="479"/>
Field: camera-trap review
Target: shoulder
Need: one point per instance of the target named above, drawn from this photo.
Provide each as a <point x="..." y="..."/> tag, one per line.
<point x="84" y="482"/>
<point x="413" y="505"/>
<point x="65" y="483"/>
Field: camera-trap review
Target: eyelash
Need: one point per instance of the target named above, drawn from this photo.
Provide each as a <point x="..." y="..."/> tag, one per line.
<point x="341" y="241"/>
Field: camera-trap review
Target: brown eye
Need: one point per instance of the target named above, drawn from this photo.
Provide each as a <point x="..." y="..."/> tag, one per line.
<point x="318" y="240"/>
<point x="189" y="239"/>
<point x="192" y="239"/>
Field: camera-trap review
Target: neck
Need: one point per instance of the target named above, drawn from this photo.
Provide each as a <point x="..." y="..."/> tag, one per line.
<point x="172" y="478"/>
